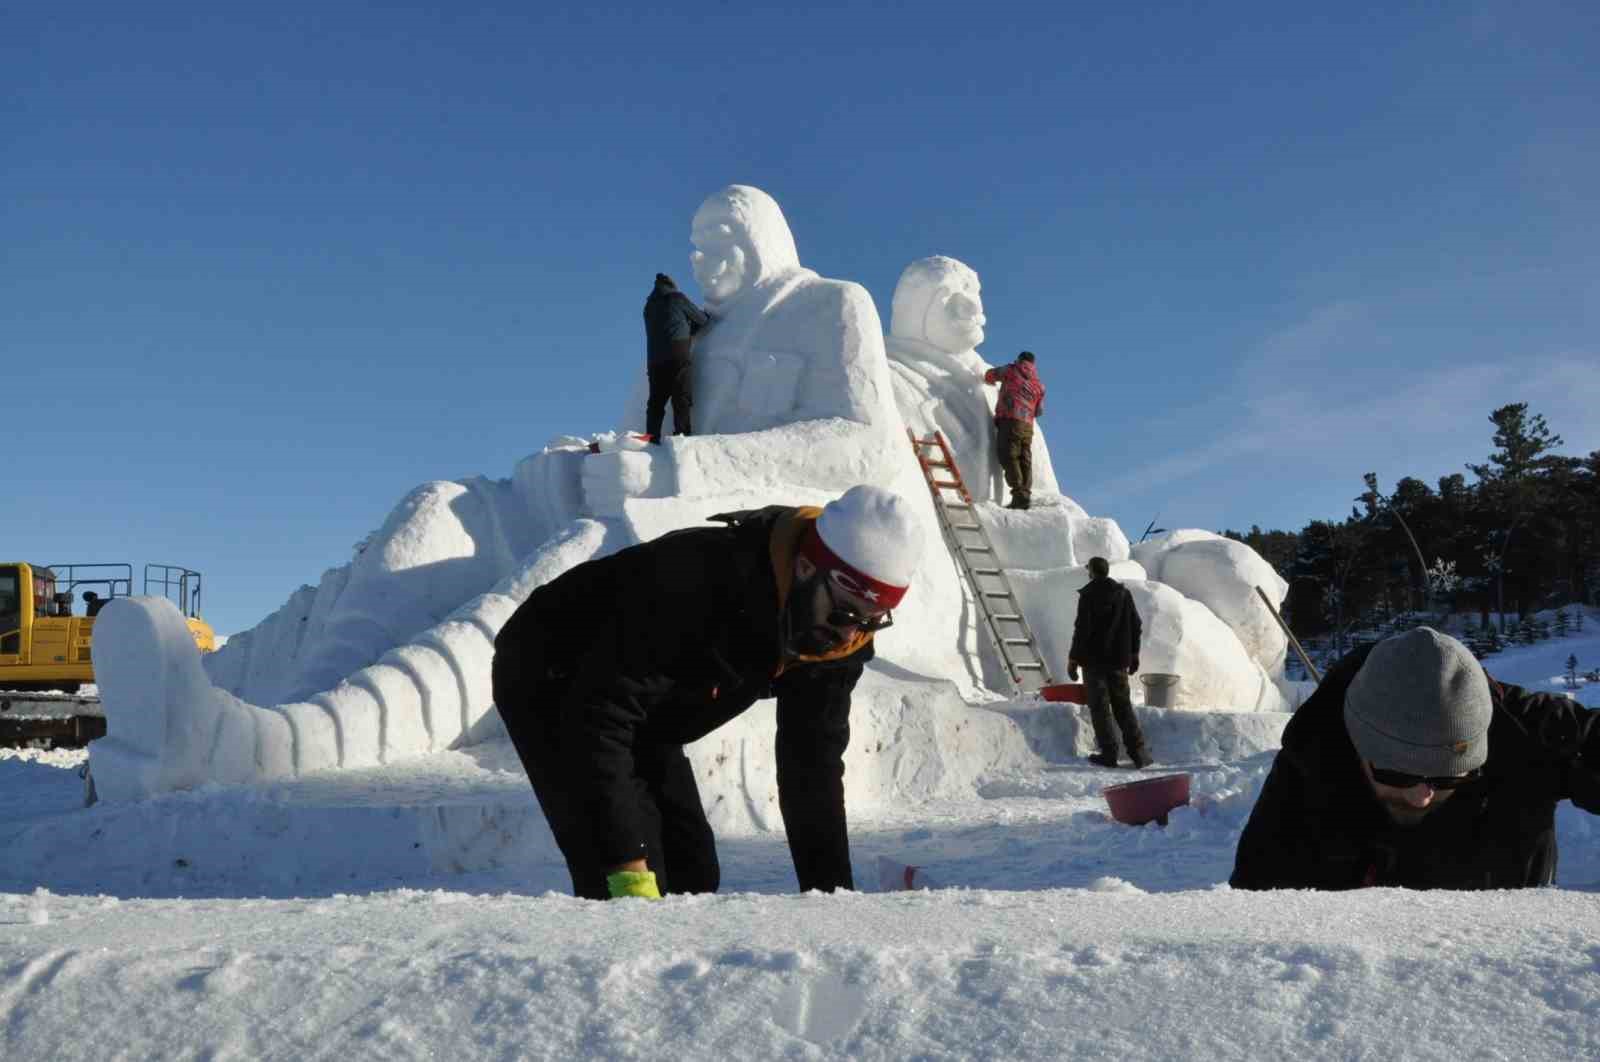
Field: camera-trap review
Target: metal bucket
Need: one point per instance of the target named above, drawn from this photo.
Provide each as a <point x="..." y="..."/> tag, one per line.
<point x="1160" y="691"/>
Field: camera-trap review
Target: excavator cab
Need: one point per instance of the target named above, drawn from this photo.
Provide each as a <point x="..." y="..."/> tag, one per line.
<point x="44" y="646"/>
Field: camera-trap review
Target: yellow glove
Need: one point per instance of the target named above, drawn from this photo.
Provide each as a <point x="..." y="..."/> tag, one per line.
<point x="640" y="883"/>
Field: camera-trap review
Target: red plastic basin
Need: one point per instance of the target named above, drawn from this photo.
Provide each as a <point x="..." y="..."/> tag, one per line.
<point x="1071" y="692"/>
<point x="1147" y="800"/>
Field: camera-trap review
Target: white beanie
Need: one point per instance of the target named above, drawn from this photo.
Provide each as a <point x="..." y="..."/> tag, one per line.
<point x="868" y="537"/>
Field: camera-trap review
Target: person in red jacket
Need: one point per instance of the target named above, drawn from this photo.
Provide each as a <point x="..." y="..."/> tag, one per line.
<point x="1021" y="401"/>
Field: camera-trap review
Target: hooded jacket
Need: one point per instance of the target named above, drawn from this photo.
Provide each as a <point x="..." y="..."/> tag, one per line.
<point x="1021" y="391"/>
<point x="663" y="642"/>
<point x="1317" y="824"/>
<point x="1106" y="633"/>
<point x="671" y="321"/>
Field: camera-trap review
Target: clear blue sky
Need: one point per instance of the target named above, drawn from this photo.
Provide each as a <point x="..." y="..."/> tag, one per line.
<point x="263" y="268"/>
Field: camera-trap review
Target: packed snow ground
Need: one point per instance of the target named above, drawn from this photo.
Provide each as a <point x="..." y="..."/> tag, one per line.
<point x="324" y="919"/>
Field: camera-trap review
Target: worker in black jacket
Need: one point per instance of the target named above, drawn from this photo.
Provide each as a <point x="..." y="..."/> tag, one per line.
<point x="1105" y="644"/>
<point x="606" y="672"/>
<point x="671" y="321"/>
<point x="1410" y="767"/>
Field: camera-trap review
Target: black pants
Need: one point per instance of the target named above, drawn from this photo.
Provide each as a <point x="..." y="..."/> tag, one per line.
<point x="1108" y="696"/>
<point x="679" y="847"/>
<point x="1014" y="440"/>
<point x="669" y="379"/>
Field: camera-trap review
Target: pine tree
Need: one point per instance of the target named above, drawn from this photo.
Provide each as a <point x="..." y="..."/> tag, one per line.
<point x="1563" y="624"/>
<point x="1572" y="671"/>
<point x="1509" y="482"/>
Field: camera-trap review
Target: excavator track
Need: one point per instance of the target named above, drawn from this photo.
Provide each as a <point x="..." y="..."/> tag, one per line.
<point x="30" y="719"/>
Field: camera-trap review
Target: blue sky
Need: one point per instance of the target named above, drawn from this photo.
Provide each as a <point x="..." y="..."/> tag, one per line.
<point x="263" y="270"/>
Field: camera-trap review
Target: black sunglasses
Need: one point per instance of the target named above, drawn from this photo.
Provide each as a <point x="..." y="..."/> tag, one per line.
<point x="842" y="616"/>
<point x="1402" y="780"/>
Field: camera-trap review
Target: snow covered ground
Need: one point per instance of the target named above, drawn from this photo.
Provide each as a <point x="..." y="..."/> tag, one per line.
<point x="397" y="913"/>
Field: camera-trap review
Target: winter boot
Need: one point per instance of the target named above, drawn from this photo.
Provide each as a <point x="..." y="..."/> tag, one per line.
<point x="1141" y="757"/>
<point x="1104" y="759"/>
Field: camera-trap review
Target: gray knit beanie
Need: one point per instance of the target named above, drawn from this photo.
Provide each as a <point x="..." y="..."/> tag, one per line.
<point x="1420" y="704"/>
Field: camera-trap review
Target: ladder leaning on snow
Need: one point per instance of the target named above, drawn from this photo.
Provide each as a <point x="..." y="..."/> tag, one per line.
<point x="974" y="553"/>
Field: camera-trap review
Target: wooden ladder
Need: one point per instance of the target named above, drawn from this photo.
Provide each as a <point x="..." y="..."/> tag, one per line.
<point x="974" y="552"/>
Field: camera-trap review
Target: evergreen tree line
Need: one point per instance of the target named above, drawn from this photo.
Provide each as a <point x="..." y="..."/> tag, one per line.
<point x="1522" y="537"/>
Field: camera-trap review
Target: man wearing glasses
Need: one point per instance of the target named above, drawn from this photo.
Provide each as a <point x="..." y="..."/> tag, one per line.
<point x="606" y="672"/>
<point x="1410" y="767"/>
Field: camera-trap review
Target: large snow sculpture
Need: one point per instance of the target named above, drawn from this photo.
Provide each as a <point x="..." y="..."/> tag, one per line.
<point x="934" y="329"/>
<point x="388" y="657"/>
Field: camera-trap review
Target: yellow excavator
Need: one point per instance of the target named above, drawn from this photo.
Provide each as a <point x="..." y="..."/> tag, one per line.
<point x="47" y="652"/>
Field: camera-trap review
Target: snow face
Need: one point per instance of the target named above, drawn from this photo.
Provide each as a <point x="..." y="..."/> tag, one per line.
<point x="786" y="345"/>
<point x="387" y="658"/>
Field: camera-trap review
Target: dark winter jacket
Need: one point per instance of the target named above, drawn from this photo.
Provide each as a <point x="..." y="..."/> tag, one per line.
<point x="671" y="321"/>
<point x="1021" y="391"/>
<point x="1317" y="825"/>
<point x="1105" y="636"/>
<point x="663" y="642"/>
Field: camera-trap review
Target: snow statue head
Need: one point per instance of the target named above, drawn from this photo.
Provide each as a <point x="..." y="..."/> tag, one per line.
<point x="786" y="345"/>
<point x="740" y="239"/>
<point x="937" y="302"/>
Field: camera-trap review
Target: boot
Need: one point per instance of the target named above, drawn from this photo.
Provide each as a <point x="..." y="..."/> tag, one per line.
<point x="1141" y="757"/>
<point x="1104" y="759"/>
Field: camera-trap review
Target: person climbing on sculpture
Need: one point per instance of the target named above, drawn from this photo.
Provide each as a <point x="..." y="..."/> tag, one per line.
<point x="1021" y="402"/>
<point x="603" y="675"/>
<point x="671" y="321"/>
<point x="1105" y="643"/>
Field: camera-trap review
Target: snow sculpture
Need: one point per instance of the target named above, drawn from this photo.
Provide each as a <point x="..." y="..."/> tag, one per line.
<point x="444" y="543"/>
<point x="382" y="660"/>
<point x="388" y="656"/>
<point x="1222" y="574"/>
<point x="934" y="329"/>
<point x="1181" y="636"/>
<point x="791" y="385"/>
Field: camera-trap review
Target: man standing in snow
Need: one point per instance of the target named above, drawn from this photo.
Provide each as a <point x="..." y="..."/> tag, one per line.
<point x="671" y="321"/>
<point x="605" y="673"/>
<point x="1411" y="767"/>
<point x="1105" y="643"/>
<point x="1021" y="401"/>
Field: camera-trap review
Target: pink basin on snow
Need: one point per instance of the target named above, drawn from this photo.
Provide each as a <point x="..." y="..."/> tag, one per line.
<point x="1147" y="800"/>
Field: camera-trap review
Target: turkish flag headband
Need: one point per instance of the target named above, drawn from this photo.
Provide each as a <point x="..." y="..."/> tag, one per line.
<point x="847" y="577"/>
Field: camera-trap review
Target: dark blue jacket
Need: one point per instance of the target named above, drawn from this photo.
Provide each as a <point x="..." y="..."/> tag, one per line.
<point x="671" y="320"/>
